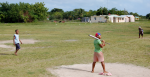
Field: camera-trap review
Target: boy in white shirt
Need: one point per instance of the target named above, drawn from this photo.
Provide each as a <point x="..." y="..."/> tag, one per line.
<point x="16" y="41"/>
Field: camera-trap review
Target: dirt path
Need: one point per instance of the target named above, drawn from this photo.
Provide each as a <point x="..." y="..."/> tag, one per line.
<point x="24" y="41"/>
<point x="84" y="70"/>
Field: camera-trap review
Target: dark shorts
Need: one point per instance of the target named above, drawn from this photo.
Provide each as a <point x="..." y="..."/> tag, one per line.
<point x="17" y="46"/>
<point x="141" y="34"/>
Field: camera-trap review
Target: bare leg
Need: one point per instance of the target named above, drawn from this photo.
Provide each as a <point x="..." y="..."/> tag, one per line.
<point x="93" y="66"/>
<point x="103" y="65"/>
<point x="16" y="52"/>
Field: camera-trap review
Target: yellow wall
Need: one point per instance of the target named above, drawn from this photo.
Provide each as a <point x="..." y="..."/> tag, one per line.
<point x="136" y="18"/>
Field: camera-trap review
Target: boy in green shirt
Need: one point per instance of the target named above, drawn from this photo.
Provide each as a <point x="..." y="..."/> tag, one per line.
<point x="98" y="55"/>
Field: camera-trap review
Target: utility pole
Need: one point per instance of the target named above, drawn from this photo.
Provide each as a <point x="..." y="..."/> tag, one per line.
<point x="124" y="11"/>
<point x="107" y="7"/>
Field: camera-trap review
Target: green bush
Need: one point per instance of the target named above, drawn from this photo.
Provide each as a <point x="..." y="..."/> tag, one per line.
<point x="22" y="12"/>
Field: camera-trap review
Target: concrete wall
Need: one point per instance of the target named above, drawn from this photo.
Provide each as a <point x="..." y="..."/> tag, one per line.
<point x="113" y="19"/>
<point x="110" y="18"/>
<point x="126" y="19"/>
<point x="132" y="19"/>
<point x="96" y="19"/>
<point x="121" y="19"/>
<point x="86" y="19"/>
<point x="118" y="19"/>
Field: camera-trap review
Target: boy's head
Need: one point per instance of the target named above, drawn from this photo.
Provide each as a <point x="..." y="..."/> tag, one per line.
<point x="16" y="31"/>
<point x="98" y="35"/>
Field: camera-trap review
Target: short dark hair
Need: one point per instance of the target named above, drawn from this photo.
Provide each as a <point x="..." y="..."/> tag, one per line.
<point x="16" y="30"/>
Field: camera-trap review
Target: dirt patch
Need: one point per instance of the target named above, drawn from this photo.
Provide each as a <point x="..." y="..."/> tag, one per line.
<point x="5" y="34"/>
<point x="84" y="70"/>
<point x="41" y="47"/>
<point x="145" y="38"/>
<point x="29" y="41"/>
<point x="24" y="41"/>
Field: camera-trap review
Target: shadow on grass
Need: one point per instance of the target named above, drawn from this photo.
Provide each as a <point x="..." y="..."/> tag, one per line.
<point x="147" y="32"/>
<point x="5" y="54"/>
<point x="148" y="27"/>
<point x="75" y="69"/>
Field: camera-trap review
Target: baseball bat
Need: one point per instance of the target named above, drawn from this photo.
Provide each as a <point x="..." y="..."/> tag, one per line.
<point x="97" y="38"/>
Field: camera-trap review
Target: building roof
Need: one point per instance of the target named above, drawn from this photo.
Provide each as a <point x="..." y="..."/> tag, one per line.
<point x="120" y="16"/>
<point x="112" y="15"/>
<point x="116" y="16"/>
<point x="99" y="15"/>
<point x="127" y="15"/>
<point x="103" y="15"/>
<point x="136" y="17"/>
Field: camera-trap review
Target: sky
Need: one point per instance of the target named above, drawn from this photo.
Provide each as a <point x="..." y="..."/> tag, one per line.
<point x="142" y="7"/>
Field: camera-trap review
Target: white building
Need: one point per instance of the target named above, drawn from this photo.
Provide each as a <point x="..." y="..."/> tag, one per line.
<point x="131" y="18"/>
<point x="113" y="18"/>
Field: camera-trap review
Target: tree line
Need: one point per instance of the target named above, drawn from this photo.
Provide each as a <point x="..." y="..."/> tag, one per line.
<point x="57" y="13"/>
<point x="22" y="12"/>
<point x="25" y="12"/>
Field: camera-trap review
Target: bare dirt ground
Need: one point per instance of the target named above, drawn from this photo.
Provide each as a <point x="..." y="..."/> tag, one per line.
<point x="84" y="70"/>
<point x="24" y="41"/>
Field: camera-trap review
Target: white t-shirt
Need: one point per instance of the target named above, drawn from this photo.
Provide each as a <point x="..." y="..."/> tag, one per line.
<point x="16" y="38"/>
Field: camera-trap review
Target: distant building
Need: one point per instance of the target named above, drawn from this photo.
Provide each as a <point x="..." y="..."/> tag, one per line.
<point x="86" y="19"/>
<point x="131" y="18"/>
<point x="47" y="18"/>
<point x="118" y="19"/>
<point x="96" y="19"/>
<point x="136" y="18"/>
<point x="113" y="18"/>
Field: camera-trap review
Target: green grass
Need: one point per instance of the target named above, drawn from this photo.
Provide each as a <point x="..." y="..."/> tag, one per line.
<point x="53" y="50"/>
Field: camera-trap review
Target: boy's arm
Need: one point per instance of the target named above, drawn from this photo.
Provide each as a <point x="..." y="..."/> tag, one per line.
<point x="20" y="41"/>
<point x="14" y="40"/>
<point x="103" y="44"/>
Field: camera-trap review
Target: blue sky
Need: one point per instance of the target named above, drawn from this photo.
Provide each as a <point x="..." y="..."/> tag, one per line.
<point x="142" y="7"/>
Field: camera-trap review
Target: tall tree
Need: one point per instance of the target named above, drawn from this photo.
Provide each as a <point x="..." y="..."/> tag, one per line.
<point x="135" y="14"/>
<point x="22" y="12"/>
<point x="58" y="15"/>
<point x="69" y="15"/>
<point x="102" y="11"/>
<point x="56" y="10"/>
<point x="40" y="10"/>
<point x="148" y="16"/>
<point x="120" y="12"/>
<point x="113" y="11"/>
<point x="89" y="13"/>
<point x="126" y="12"/>
<point x="78" y="13"/>
<point x="131" y="13"/>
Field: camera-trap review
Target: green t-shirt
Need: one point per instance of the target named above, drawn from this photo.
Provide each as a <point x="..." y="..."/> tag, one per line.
<point x="97" y="45"/>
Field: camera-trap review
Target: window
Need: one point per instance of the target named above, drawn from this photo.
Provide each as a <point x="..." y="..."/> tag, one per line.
<point x="122" y="18"/>
<point x="95" y="18"/>
<point x="100" y="18"/>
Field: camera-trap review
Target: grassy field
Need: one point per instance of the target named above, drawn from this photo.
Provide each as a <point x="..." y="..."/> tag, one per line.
<point x="53" y="49"/>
